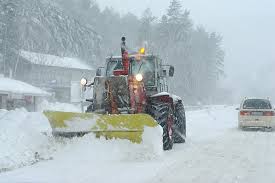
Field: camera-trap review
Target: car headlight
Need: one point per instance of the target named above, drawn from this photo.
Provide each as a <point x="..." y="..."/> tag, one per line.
<point x="139" y="77"/>
<point x="83" y="81"/>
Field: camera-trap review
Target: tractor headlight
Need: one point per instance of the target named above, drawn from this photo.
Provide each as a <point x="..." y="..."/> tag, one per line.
<point x="83" y="81"/>
<point x="139" y="77"/>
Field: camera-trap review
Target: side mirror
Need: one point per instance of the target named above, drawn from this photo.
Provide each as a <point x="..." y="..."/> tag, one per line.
<point x="171" y="71"/>
<point x="99" y="71"/>
<point x="164" y="72"/>
<point x="237" y="109"/>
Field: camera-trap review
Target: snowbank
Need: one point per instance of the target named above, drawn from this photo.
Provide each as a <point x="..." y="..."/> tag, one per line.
<point x="45" y="105"/>
<point x="24" y="135"/>
<point x="114" y="150"/>
<point x="21" y="137"/>
<point x="25" y="139"/>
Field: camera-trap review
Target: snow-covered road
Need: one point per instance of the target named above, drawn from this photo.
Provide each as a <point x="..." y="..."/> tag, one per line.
<point x="215" y="151"/>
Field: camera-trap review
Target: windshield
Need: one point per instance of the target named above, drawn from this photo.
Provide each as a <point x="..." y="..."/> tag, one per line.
<point x="113" y="64"/>
<point x="256" y="104"/>
<point x="146" y="67"/>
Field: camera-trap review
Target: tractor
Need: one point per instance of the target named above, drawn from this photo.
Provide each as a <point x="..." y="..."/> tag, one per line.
<point x="131" y="91"/>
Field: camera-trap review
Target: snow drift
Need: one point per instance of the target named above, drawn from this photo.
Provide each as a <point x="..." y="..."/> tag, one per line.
<point x="25" y="139"/>
<point x="57" y="106"/>
<point x="21" y="137"/>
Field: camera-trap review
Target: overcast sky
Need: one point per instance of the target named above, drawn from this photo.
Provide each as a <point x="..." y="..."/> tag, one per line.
<point x="248" y="28"/>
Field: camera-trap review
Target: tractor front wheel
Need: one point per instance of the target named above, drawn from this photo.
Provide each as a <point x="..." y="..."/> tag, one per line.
<point x="180" y="123"/>
<point x="163" y="114"/>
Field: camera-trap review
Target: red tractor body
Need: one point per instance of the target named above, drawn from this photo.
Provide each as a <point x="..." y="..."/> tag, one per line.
<point x="138" y="83"/>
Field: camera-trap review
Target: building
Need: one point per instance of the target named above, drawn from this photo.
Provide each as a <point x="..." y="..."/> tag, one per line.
<point x="16" y="94"/>
<point x="52" y="73"/>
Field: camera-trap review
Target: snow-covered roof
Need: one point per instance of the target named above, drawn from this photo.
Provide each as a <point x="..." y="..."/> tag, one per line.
<point x="55" y="61"/>
<point x="8" y="85"/>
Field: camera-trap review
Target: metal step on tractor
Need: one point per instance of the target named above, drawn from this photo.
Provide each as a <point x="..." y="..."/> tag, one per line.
<point x="129" y="93"/>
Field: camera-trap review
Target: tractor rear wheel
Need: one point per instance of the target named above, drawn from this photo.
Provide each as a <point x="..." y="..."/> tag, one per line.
<point x="163" y="114"/>
<point x="180" y="123"/>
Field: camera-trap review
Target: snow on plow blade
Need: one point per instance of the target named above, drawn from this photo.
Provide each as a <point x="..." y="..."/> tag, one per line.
<point x="122" y="126"/>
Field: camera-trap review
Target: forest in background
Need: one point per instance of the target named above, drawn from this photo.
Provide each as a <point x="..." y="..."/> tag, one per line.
<point x="79" y="28"/>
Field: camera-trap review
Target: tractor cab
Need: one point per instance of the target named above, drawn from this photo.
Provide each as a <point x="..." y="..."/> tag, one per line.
<point x="128" y="81"/>
<point x="142" y="68"/>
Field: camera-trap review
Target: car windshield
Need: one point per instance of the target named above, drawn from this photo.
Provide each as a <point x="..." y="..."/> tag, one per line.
<point x="146" y="67"/>
<point x="257" y="104"/>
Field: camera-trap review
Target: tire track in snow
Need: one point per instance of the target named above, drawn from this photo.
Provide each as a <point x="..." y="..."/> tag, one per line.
<point x="235" y="156"/>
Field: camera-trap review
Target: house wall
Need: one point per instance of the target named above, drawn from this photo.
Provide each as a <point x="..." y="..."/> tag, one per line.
<point x="3" y="101"/>
<point x="56" y="80"/>
<point x="22" y="71"/>
<point x="13" y="101"/>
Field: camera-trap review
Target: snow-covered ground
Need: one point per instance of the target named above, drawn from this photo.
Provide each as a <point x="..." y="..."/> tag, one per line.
<point x="215" y="151"/>
<point x="45" y="105"/>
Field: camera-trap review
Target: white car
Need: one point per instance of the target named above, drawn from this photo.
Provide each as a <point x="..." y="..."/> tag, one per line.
<point x="256" y="113"/>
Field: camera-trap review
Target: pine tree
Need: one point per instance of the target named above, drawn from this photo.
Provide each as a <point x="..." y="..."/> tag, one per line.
<point x="10" y="42"/>
<point x="2" y="38"/>
<point x="218" y="54"/>
<point x="174" y="12"/>
<point x="146" y="28"/>
<point x="77" y="28"/>
<point x="173" y="30"/>
<point x="85" y="4"/>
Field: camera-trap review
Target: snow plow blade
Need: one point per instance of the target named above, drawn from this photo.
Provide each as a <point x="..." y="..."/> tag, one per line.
<point x="122" y="126"/>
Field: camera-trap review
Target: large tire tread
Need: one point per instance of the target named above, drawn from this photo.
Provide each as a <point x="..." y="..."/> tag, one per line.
<point x="180" y="124"/>
<point x="160" y="112"/>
